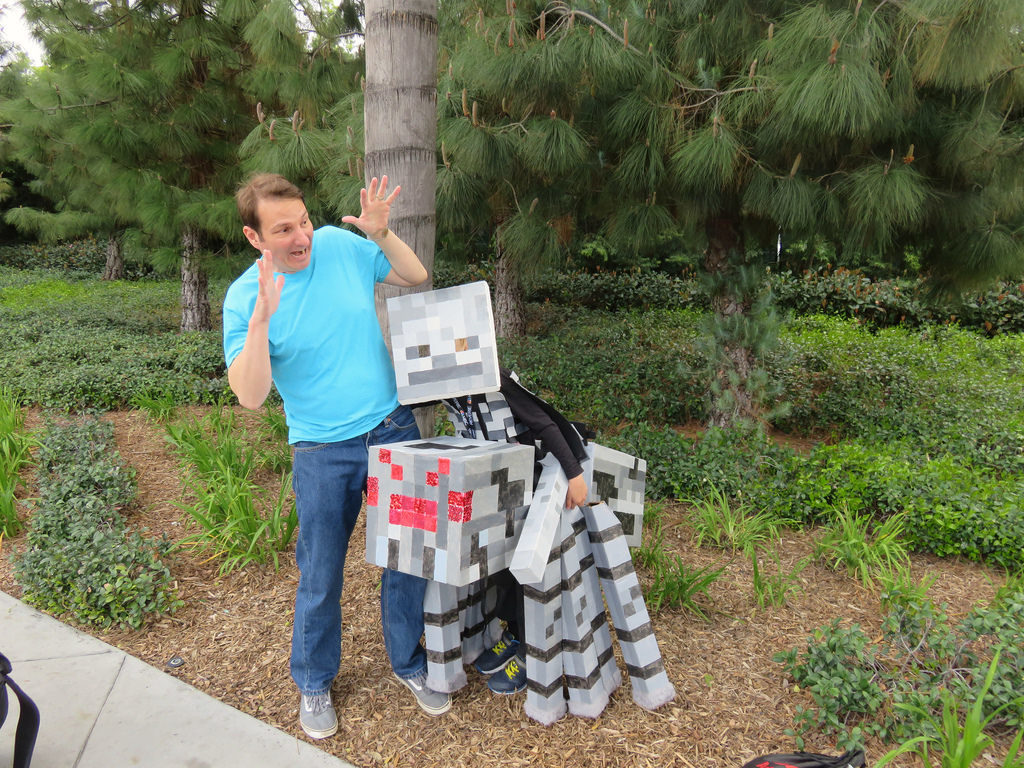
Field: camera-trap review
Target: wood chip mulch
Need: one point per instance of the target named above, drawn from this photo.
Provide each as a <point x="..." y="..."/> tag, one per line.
<point x="733" y="702"/>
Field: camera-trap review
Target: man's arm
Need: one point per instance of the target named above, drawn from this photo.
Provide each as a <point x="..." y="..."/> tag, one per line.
<point x="249" y="374"/>
<point x="406" y="268"/>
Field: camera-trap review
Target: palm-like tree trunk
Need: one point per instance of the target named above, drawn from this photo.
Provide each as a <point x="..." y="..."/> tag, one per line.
<point x="400" y="119"/>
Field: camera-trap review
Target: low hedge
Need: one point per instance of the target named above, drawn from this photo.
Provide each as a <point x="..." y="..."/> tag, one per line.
<point x="839" y="292"/>
<point x="953" y="507"/>
<point x="81" y="559"/>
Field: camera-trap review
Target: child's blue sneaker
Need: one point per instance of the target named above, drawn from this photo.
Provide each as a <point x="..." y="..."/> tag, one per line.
<point x="512" y="679"/>
<point x="493" y="659"/>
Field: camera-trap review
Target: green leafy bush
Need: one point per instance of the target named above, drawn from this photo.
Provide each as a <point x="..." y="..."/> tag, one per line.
<point x="886" y="303"/>
<point x="85" y="257"/>
<point x="893" y="688"/>
<point x="681" y="467"/>
<point x="606" y="369"/>
<point x="81" y="559"/>
<point x="618" y="291"/>
<point x="100" y="345"/>
<point x="951" y="507"/>
<point x="844" y="293"/>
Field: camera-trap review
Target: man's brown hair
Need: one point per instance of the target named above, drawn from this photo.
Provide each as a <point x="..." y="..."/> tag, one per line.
<point x="260" y="187"/>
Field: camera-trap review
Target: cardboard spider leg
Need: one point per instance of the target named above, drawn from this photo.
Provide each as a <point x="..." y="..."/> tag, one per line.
<point x="610" y="674"/>
<point x="542" y="645"/>
<point x="480" y="627"/>
<point x="442" y="637"/>
<point x="649" y="681"/>
<point x="588" y="695"/>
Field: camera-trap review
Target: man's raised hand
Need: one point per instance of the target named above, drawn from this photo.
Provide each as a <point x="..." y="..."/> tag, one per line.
<point x="376" y="208"/>
<point x="269" y="295"/>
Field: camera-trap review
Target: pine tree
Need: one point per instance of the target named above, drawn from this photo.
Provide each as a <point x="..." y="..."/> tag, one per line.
<point x="881" y="125"/>
<point x="152" y="102"/>
<point x="522" y="98"/>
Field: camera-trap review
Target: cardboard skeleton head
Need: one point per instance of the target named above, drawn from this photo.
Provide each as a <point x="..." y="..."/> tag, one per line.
<point x="443" y="343"/>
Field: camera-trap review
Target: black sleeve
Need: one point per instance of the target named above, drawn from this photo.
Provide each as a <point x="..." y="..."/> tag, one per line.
<point x="528" y="411"/>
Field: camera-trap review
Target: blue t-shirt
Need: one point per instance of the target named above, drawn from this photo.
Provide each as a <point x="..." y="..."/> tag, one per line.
<point x="328" y="359"/>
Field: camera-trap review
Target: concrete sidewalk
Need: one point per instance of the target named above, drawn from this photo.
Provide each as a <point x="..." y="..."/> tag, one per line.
<point x="101" y="708"/>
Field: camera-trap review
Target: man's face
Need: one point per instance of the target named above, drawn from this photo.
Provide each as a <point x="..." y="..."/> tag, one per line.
<point x="285" y="230"/>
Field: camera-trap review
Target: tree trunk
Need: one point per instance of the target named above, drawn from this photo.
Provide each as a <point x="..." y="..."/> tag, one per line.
<point x="509" y="306"/>
<point x="400" y="120"/>
<point x="114" y="268"/>
<point x="195" y="302"/>
<point x="731" y="401"/>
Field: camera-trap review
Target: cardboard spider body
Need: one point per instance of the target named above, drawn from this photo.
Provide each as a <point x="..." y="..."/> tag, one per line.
<point x="456" y="509"/>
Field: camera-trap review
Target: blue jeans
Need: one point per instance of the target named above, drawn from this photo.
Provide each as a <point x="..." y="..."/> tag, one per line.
<point x="329" y="480"/>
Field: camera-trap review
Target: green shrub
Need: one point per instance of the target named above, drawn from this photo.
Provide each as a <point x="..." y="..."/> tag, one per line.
<point x="607" y="369"/>
<point x="951" y="507"/>
<point x="843" y="293"/>
<point x="81" y="560"/>
<point x="941" y="391"/>
<point x="681" y="467"/>
<point x="893" y="688"/>
<point x="886" y="303"/>
<point x="617" y="291"/>
<point x="99" y="345"/>
<point x="85" y="257"/>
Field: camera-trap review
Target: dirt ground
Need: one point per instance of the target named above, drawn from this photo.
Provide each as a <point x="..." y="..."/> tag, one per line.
<point x="733" y="702"/>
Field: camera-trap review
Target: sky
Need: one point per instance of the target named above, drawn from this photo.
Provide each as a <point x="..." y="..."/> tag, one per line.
<point x="16" y="31"/>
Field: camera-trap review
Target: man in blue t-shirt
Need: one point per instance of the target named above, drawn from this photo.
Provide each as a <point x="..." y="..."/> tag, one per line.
<point x="303" y="319"/>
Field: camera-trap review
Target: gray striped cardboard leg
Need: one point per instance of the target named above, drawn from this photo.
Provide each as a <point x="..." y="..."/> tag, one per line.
<point x="649" y="681"/>
<point x="542" y="646"/>
<point x="610" y="674"/>
<point x="480" y="629"/>
<point x="587" y="694"/>
<point x="442" y="634"/>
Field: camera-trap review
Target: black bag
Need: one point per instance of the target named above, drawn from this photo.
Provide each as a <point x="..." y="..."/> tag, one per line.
<point x="852" y="759"/>
<point x="28" y="719"/>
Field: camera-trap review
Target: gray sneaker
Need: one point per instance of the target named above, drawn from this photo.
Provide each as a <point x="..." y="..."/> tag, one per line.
<point x="431" y="702"/>
<point x="317" y="716"/>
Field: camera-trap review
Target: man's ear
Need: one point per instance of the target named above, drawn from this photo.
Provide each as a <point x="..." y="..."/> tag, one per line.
<point x="253" y="237"/>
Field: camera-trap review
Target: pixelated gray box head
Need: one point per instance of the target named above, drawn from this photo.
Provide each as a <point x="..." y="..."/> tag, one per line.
<point x="443" y="343"/>
<point x="448" y="509"/>
<point x="619" y="480"/>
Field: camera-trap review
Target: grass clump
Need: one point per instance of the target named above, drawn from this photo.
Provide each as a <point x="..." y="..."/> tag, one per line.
<point x="239" y="521"/>
<point x="15" y="455"/>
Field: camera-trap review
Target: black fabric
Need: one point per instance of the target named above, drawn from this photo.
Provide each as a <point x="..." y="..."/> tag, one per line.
<point x="28" y="719"/>
<point x="544" y="425"/>
<point x="509" y="607"/>
<point x="852" y="759"/>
